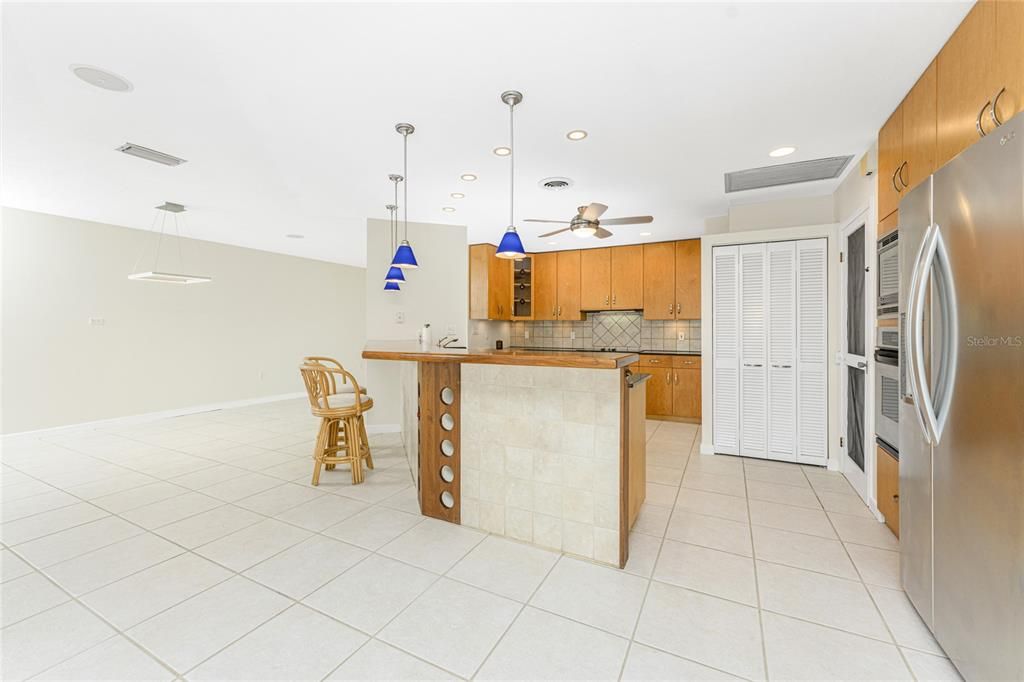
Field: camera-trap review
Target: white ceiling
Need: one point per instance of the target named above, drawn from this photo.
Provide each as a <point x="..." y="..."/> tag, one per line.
<point x="286" y="113"/>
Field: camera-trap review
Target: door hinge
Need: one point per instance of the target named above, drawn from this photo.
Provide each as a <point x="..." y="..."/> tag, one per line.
<point x="840" y="441"/>
<point x="840" y="256"/>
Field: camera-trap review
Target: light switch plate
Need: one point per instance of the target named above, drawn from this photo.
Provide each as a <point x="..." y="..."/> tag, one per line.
<point x="527" y="333"/>
<point x="572" y="336"/>
<point x="399" y="317"/>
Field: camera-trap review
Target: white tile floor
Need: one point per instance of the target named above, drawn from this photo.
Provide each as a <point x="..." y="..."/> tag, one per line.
<point x="195" y="548"/>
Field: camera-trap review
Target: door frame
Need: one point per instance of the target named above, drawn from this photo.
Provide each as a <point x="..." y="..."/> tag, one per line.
<point x="863" y="482"/>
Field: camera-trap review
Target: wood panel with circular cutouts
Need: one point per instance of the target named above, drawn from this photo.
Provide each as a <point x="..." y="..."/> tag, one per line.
<point x="440" y="422"/>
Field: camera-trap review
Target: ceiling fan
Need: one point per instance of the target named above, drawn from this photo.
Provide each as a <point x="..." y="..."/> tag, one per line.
<point x="586" y="223"/>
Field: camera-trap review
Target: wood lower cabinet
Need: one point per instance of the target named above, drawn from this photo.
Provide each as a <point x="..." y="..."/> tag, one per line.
<point x="674" y="387"/>
<point x="490" y="284"/>
<point x="596" y="279"/>
<point x="888" y="488"/>
<point x="568" y="274"/>
<point x="659" y="281"/>
<point x="545" y="286"/>
<point x="659" y="391"/>
<point x="688" y="279"/>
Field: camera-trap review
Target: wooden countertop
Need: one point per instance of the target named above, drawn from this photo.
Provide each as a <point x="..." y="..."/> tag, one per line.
<point x="410" y="351"/>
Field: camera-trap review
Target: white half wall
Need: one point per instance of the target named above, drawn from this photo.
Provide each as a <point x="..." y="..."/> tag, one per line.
<point x="159" y="347"/>
<point x="437" y="292"/>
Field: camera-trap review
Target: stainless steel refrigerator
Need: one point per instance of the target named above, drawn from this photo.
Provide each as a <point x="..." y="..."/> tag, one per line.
<point x="961" y="311"/>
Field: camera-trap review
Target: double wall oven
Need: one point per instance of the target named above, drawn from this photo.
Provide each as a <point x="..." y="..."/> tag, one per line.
<point x="888" y="378"/>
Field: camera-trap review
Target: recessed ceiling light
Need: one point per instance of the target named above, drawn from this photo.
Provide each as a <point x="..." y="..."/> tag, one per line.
<point x="502" y="151"/>
<point x="468" y="177"/>
<point x="576" y="135"/>
<point x="781" y="151"/>
<point x="457" y="195"/>
<point x="101" y="79"/>
<point x="448" y="209"/>
<point x="645" y="234"/>
<point x="295" y="236"/>
<point x="552" y="243"/>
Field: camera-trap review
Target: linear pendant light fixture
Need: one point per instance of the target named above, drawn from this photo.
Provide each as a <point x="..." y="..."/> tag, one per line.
<point x="511" y="246"/>
<point x="156" y="275"/>
<point x="404" y="257"/>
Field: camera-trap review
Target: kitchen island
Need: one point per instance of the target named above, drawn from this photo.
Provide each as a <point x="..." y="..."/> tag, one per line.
<point x="546" y="447"/>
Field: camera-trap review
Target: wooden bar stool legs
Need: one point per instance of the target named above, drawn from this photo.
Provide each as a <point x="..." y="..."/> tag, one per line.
<point x="346" y="434"/>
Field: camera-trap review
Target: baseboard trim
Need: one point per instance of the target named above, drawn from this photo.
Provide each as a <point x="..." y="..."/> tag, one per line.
<point x="383" y="428"/>
<point x="707" y="449"/>
<point x="165" y="414"/>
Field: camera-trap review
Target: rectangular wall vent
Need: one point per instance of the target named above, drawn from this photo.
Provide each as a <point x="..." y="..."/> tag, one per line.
<point x="786" y="174"/>
<point x="150" y="154"/>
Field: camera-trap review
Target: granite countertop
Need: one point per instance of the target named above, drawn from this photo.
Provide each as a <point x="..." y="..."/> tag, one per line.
<point x="545" y="357"/>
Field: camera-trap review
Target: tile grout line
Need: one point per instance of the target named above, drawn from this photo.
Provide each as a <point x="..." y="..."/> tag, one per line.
<point x="757" y="580"/>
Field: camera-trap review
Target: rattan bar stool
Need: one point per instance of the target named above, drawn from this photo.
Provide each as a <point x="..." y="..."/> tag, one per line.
<point x="341" y="416"/>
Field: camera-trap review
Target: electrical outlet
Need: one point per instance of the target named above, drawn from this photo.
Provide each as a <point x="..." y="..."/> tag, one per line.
<point x="399" y="317"/>
<point x="572" y="336"/>
<point x="527" y="333"/>
<point x="682" y="336"/>
<point x="97" y="321"/>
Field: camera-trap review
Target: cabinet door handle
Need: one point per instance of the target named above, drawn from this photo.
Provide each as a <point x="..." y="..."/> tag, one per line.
<point x="677" y="376"/>
<point x="783" y="366"/>
<point x="751" y="364"/>
<point x="992" y="111"/>
<point x="899" y="174"/>
<point x="613" y="299"/>
<point x="670" y="307"/>
<point x="894" y="185"/>
<point x="559" y="311"/>
<point x="668" y="378"/>
<point x="679" y="308"/>
<point x="554" y="313"/>
<point x="687" y="362"/>
<point x="977" y="121"/>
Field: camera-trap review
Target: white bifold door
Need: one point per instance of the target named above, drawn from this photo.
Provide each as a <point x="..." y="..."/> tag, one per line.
<point x="769" y="340"/>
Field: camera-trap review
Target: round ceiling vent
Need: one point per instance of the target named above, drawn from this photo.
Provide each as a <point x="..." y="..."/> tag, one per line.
<point x="555" y="183"/>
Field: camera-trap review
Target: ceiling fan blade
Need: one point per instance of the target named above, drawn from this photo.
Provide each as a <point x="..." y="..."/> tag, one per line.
<point x="594" y="211"/>
<point x="633" y="220"/>
<point x="552" y="234"/>
<point x="535" y="220"/>
<point x="602" y="233"/>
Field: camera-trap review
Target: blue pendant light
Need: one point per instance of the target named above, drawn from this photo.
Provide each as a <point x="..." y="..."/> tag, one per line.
<point x="394" y="275"/>
<point x="511" y="246"/>
<point x="392" y="286"/>
<point x="404" y="257"/>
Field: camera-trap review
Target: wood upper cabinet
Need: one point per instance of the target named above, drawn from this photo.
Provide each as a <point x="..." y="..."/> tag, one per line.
<point x="890" y="158"/>
<point x="490" y="284"/>
<point x="659" y="281"/>
<point x="966" y="79"/>
<point x="1010" y="57"/>
<point x="919" y="137"/>
<point x="627" y="277"/>
<point x="568" y="276"/>
<point x="545" y="286"/>
<point x="688" y="279"/>
<point x="596" y="279"/>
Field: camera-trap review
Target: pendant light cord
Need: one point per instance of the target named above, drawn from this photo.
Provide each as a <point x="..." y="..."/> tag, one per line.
<point x="405" y="179"/>
<point x="512" y="164"/>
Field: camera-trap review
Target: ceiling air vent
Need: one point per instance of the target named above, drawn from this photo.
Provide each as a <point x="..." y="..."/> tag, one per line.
<point x="786" y="174"/>
<point x="555" y="183"/>
<point x="150" y="154"/>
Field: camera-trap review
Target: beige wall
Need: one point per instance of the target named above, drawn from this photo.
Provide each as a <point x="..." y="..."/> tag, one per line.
<point x="162" y="346"/>
<point x="794" y="212"/>
<point x="437" y="292"/>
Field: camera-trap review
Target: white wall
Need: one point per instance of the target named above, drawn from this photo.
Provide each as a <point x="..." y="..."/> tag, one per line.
<point x="795" y="212"/>
<point x="437" y="292"/>
<point x="162" y="346"/>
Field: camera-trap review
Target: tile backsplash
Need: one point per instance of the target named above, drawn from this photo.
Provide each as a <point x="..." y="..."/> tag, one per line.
<point x="624" y="330"/>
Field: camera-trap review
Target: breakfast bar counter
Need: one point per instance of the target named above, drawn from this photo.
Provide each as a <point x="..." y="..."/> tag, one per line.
<point x="546" y="447"/>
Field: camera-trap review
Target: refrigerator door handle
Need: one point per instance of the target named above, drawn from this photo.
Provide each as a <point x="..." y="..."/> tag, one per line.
<point x="936" y="404"/>
<point x="915" y="333"/>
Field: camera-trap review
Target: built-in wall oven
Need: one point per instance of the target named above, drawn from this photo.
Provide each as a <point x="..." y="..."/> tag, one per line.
<point x="887" y="387"/>
<point x="888" y="275"/>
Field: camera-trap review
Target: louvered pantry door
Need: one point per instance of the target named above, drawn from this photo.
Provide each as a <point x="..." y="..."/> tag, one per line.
<point x="725" y="350"/>
<point x="782" y="351"/>
<point x="753" y="352"/>
<point x="812" y="349"/>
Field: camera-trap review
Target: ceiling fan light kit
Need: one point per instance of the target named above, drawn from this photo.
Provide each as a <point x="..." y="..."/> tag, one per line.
<point x="587" y="222"/>
<point x="511" y="246"/>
